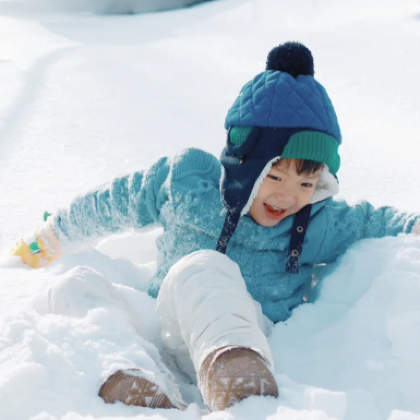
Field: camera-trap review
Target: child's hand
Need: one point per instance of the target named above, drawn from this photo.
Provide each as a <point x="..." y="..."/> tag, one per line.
<point x="416" y="228"/>
<point x="42" y="250"/>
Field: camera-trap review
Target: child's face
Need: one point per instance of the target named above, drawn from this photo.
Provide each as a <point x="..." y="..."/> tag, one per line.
<point x="283" y="193"/>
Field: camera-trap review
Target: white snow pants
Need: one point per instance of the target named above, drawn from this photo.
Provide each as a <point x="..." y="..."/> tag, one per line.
<point x="204" y="304"/>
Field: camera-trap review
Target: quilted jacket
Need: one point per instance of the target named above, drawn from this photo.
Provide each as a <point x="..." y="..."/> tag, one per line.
<point x="182" y="194"/>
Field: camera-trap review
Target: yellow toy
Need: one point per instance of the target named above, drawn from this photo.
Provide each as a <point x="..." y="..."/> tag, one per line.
<point x="36" y="254"/>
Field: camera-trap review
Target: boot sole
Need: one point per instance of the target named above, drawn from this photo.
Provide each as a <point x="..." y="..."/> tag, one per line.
<point x="134" y="390"/>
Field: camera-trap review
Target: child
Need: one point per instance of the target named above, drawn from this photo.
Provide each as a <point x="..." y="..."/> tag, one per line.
<point x="241" y="235"/>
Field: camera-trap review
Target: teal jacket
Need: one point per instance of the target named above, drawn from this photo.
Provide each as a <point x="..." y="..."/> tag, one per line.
<point x="182" y="194"/>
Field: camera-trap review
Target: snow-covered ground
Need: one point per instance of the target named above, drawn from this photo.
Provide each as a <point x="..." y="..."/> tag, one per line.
<point x="85" y="98"/>
<point x="95" y="6"/>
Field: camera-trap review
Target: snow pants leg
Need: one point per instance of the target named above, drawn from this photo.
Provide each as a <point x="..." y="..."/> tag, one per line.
<point x="204" y="304"/>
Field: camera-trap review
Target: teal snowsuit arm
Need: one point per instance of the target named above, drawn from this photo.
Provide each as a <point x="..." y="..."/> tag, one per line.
<point x="344" y="225"/>
<point x="133" y="201"/>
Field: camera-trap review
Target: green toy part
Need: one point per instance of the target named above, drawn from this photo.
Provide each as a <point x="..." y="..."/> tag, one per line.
<point x="34" y="247"/>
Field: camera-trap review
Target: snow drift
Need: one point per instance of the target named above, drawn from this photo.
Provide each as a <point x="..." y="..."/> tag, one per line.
<point x="95" y="6"/>
<point x="353" y="354"/>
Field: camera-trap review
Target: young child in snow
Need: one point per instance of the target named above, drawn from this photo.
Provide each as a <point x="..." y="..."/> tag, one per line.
<point x="241" y="235"/>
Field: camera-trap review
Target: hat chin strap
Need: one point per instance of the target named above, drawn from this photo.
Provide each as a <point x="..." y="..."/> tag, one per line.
<point x="229" y="227"/>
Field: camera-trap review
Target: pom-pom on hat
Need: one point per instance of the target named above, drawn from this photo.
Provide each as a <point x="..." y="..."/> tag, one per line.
<point x="293" y="58"/>
<point x="282" y="112"/>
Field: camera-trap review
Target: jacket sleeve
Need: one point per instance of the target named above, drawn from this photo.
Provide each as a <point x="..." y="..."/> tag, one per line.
<point x="132" y="201"/>
<point x="344" y="225"/>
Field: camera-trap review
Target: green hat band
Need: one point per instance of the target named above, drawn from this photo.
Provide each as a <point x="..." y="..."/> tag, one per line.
<point x="316" y="146"/>
<point x="307" y="145"/>
<point x="239" y="134"/>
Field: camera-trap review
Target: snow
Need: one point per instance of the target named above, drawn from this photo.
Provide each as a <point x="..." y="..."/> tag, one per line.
<point x="85" y="98"/>
<point x="95" y="6"/>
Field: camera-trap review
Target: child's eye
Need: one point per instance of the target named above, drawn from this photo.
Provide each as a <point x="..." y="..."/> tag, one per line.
<point x="307" y="185"/>
<point x="276" y="178"/>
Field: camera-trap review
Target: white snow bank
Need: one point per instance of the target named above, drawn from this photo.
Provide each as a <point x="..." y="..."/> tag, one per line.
<point x="95" y="6"/>
<point x="361" y="336"/>
<point x="352" y="355"/>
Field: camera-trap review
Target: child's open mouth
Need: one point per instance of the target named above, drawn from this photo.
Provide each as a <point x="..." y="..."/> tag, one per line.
<point x="274" y="212"/>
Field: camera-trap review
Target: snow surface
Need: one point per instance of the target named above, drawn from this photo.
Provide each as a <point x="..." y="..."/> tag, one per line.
<point x="94" y="6"/>
<point x="85" y="98"/>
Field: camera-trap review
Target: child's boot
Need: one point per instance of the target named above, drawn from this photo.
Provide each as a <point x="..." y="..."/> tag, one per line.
<point x="132" y="388"/>
<point x="230" y="374"/>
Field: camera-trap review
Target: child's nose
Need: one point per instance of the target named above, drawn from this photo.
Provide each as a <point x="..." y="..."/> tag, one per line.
<point x="286" y="194"/>
<point x="285" y="197"/>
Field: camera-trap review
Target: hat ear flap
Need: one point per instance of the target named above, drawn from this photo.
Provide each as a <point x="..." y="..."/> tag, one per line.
<point x="258" y="184"/>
